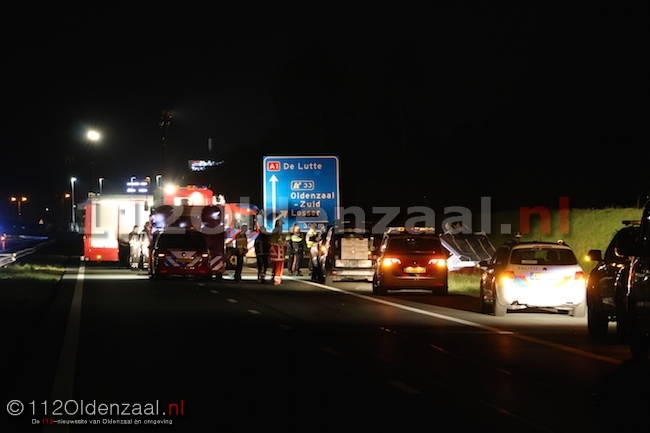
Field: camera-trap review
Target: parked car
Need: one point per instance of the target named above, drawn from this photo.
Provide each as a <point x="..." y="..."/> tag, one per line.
<point x="345" y="252"/>
<point x="533" y="275"/>
<point x="411" y="258"/>
<point x="179" y="252"/>
<point x="607" y="281"/>
<point x="637" y="289"/>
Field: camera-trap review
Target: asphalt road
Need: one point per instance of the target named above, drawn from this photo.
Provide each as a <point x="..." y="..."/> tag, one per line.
<point x="226" y="357"/>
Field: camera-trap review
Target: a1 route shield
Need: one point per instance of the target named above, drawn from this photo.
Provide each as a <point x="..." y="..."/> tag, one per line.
<point x="301" y="189"/>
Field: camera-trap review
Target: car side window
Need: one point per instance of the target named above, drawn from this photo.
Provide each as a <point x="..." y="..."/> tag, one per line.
<point x="624" y="238"/>
<point x="501" y="256"/>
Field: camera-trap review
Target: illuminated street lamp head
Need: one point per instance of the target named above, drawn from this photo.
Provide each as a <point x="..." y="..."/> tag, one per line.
<point x="93" y="135"/>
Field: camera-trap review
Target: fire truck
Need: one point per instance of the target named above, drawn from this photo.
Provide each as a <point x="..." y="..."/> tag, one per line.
<point x="108" y="220"/>
<point x="235" y="216"/>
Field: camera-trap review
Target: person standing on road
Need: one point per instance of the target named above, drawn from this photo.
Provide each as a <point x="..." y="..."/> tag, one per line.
<point x="311" y="240"/>
<point x="134" y="248"/>
<point x="297" y="246"/>
<point x="277" y="252"/>
<point x="241" y="245"/>
<point x="145" y="242"/>
<point x="262" y="247"/>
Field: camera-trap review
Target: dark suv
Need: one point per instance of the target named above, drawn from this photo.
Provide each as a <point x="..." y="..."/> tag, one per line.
<point x="607" y="281"/>
<point x="637" y="289"/>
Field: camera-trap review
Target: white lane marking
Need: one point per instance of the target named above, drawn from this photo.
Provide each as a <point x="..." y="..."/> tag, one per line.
<point x="254" y="312"/>
<point x="232" y="301"/>
<point x="64" y="377"/>
<point x="403" y="387"/>
<point x="557" y="346"/>
<point x="214" y="291"/>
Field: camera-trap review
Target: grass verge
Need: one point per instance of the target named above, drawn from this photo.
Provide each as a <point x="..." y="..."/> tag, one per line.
<point x="26" y="291"/>
<point x="464" y="283"/>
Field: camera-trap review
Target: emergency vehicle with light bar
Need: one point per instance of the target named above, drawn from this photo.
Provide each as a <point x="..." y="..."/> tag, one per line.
<point x="543" y="275"/>
<point x="187" y="241"/>
<point x="234" y="216"/>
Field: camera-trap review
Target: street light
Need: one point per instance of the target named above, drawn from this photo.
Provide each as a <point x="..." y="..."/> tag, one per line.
<point x="92" y="136"/>
<point x="72" y="181"/>
<point x="18" y="201"/>
<point x="101" y="185"/>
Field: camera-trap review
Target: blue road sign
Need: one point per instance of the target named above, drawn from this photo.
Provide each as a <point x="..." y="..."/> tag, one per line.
<point x="302" y="190"/>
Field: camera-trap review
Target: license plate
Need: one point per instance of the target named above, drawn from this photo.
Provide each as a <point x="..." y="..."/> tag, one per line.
<point x="415" y="270"/>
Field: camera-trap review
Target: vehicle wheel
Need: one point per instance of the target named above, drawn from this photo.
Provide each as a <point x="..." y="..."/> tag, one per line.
<point x="581" y="309"/>
<point x="231" y="261"/>
<point x="377" y="288"/>
<point x="485" y="307"/>
<point x="640" y="346"/>
<point x="622" y="329"/>
<point x="622" y="324"/>
<point x="596" y="321"/>
<point x="499" y="310"/>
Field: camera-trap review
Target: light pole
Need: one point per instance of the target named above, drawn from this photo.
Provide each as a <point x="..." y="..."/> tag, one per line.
<point x="92" y="136"/>
<point x="74" y="222"/>
<point x="165" y="120"/>
<point x="18" y="201"/>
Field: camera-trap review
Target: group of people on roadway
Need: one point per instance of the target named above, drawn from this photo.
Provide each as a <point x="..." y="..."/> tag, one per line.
<point x="274" y="247"/>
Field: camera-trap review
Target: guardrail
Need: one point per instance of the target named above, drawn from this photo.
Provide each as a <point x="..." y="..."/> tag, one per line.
<point x="7" y="259"/>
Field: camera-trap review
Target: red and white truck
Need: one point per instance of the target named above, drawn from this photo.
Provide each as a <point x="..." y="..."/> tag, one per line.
<point x="108" y="220"/>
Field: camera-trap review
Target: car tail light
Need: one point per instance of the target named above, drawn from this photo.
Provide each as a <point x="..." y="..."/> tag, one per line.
<point x="580" y="276"/>
<point x="387" y="262"/>
<point x="441" y="263"/>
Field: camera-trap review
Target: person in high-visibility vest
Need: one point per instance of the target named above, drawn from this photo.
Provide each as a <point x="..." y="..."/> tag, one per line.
<point x="277" y="252"/>
<point x="297" y="248"/>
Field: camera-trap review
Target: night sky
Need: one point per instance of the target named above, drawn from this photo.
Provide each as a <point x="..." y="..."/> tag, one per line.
<point x="452" y="101"/>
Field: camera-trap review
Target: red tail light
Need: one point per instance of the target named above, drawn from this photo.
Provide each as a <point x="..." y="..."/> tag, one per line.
<point x="438" y="262"/>
<point x="390" y="261"/>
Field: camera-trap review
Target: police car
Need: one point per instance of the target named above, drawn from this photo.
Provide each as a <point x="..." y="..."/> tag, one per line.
<point x="533" y="275"/>
<point x="411" y="258"/>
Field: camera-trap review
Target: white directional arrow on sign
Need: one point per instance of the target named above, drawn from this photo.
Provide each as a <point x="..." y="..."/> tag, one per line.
<point x="274" y="181"/>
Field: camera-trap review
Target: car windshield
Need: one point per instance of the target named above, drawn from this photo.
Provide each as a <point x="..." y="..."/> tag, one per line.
<point x="543" y="256"/>
<point x="414" y="246"/>
<point x="193" y="241"/>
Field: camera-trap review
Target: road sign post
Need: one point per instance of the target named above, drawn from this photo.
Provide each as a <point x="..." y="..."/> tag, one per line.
<point x="301" y="190"/>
